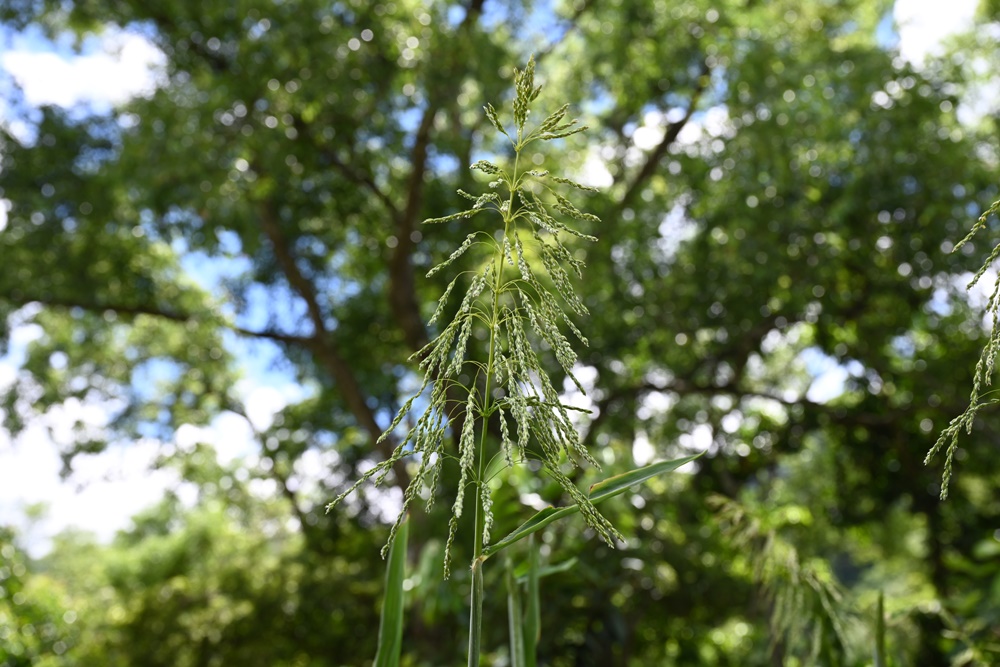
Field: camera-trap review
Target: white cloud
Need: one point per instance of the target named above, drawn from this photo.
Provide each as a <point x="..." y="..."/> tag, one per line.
<point x="102" y="494"/>
<point x="642" y="450"/>
<point x="126" y="66"/>
<point x="924" y="24"/>
<point x="595" y="172"/>
<point x="262" y="403"/>
<point x="8" y="372"/>
<point x="651" y="132"/>
<point x="106" y="490"/>
<point x="4" y="210"/>
<point x="229" y="434"/>
<point x="828" y="385"/>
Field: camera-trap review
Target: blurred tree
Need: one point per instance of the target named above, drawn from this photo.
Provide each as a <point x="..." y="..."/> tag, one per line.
<point x="780" y="194"/>
<point x="36" y="618"/>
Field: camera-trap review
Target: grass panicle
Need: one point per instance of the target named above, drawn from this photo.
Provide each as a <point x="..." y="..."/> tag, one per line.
<point x="518" y="287"/>
<point x="948" y="440"/>
<point x="809" y="617"/>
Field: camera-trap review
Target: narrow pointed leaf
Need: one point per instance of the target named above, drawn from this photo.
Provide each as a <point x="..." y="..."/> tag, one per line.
<point x="521" y="572"/>
<point x="532" y="619"/>
<point x="532" y="525"/>
<point x="880" y="660"/>
<point x="390" y="629"/>
<point x="613" y="486"/>
<point x="515" y="619"/>
<point x="598" y="492"/>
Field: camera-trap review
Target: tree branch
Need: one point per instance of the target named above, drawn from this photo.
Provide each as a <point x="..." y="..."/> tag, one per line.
<point x="134" y="310"/>
<point x="670" y="136"/>
<point x="323" y="346"/>
<point x="402" y="288"/>
<point x="684" y="388"/>
<point x="571" y="24"/>
<point x="354" y="175"/>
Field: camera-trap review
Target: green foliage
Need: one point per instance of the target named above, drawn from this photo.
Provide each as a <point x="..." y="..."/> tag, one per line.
<point x="779" y="193"/>
<point x="807" y="611"/>
<point x="36" y="620"/>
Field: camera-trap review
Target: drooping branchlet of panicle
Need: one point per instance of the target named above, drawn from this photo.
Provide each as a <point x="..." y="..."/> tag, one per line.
<point x="948" y="439"/>
<point x="518" y="287"/>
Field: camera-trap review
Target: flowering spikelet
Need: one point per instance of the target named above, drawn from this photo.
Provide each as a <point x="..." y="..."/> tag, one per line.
<point x="525" y="93"/>
<point x="467" y="459"/>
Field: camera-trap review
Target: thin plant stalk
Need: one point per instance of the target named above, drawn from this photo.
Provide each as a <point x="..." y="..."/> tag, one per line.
<point x="480" y="536"/>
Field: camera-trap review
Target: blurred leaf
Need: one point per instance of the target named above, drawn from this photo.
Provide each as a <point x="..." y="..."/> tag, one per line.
<point x="532" y="621"/>
<point x="522" y="571"/>
<point x="515" y="618"/>
<point x="880" y="660"/>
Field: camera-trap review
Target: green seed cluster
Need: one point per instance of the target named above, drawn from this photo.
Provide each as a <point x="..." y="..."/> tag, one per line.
<point x="521" y="295"/>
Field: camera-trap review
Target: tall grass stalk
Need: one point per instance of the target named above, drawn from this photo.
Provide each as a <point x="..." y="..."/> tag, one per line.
<point x="518" y="286"/>
<point x="516" y="300"/>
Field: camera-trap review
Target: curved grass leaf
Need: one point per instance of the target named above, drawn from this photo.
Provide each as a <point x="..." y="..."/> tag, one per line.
<point x="601" y="491"/>
<point x="521" y="571"/>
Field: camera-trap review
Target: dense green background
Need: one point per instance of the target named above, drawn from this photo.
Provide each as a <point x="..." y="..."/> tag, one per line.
<point x="818" y="217"/>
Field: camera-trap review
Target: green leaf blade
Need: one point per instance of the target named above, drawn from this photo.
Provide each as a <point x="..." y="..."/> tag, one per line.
<point x="879" y="648"/>
<point x="515" y="618"/>
<point x="532" y="619"/>
<point x="390" y="629"/>
<point x="599" y="492"/>
<point x="618" y="484"/>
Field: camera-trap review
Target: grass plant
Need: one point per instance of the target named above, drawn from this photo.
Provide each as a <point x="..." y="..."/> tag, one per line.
<point x="518" y="288"/>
